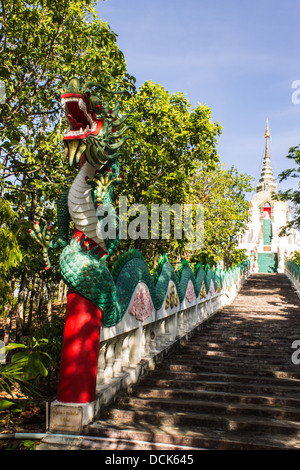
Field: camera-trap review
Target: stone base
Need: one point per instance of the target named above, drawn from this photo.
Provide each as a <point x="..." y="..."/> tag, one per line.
<point x="70" y="417"/>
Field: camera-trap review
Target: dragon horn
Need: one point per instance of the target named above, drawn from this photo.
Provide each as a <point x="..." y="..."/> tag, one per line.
<point x="118" y="134"/>
<point x="120" y="121"/>
<point x="118" y="144"/>
<point x="92" y="84"/>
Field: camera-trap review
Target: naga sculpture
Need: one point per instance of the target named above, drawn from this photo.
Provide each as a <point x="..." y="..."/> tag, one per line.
<point x="99" y="297"/>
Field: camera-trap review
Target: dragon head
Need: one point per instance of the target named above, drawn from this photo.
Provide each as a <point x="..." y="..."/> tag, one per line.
<point x="94" y="131"/>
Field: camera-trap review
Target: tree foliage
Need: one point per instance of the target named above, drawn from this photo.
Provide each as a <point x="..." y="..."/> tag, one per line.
<point x="43" y="44"/>
<point x="170" y="143"/>
<point x="10" y="252"/>
<point x="292" y="195"/>
<point x="295" y="257"/>
<point x="223" y="194"/>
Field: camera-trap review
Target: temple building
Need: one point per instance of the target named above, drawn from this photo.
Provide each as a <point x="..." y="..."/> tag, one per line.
<point x="267" y="216"/>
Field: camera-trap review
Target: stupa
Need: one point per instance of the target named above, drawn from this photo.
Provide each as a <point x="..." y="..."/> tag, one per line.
<point x="267" y="217"/>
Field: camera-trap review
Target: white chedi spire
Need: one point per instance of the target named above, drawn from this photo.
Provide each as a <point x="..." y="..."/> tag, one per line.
<point x="266" y="180"/>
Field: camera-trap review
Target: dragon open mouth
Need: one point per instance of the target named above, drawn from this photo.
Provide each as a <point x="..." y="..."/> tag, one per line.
<point x="82" y="122"/>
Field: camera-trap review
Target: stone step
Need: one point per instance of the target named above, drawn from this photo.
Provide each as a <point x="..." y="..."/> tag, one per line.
<point x="249" y="356"/>
<point x="218" y="343"/>
<point x="237" y="423"/>
<point x="186" y="403"/>
<point x="217" y="395"/>
<point x="266" y="373"/>
<point x="243" y="387"/>
<point x="233" y="335"/>
<point x="237" y="363"/>
<point x="239" y="367"/>
<point x="109" y="441"/>
<point x="249" y="343"/>
<point x="193" y="438"/>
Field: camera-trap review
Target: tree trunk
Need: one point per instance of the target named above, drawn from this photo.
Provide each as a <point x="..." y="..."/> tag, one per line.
<point x="8" y="322"/>
<point x="226" y="261"/>
<point x="20" y="307"/>
<point x="61" y="287"/>
<point x="49" y="309"/>
<point x="9" y="314"/>
<point x="49" y="301"/>
<point x="65" y="292"/>
<point x="40" y="299"/>
<point x="31" y="303"/>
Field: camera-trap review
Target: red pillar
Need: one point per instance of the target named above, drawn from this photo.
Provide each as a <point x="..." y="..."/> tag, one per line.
<point x="79" y="359"/>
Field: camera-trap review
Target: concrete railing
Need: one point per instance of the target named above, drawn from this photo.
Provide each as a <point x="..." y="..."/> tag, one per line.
<point x="132" y="348"/>
<point x="292" y="270"/>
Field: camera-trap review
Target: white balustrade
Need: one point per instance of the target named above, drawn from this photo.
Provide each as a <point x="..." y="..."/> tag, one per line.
<point x="292" y="272"/>
<point x="132" y="347"/>
<point x="118" y="366"/>
<point x="144" y="340"/>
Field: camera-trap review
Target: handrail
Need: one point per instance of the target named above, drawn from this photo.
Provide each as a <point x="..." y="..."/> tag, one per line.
<point x="292" y="270"/>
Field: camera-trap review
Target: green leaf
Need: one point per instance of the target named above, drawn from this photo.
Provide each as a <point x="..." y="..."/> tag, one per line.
<point x="12" y="346"/>
<point x="35" y="366"/>
<point x="20" y="357"/>
<point x="6" y="404"/>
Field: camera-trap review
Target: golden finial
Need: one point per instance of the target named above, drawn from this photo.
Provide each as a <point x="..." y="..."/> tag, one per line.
<point x="267" y="133"/>
<point x="267" y="136"/>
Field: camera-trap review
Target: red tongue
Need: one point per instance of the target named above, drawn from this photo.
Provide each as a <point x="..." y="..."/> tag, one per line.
<point x="75" y="124"/>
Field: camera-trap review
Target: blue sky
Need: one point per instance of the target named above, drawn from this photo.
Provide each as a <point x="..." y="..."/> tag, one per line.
<point x="238" y="57"/>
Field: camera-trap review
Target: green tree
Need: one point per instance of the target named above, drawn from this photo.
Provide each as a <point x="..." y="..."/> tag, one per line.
<point x="292" y="195"/>
<point x="43" y="43"/>
<point x="223" y="194"/>
<point x="10" y="252"/>
<point x="295" y="257"/>
<point x="170" y="143"/>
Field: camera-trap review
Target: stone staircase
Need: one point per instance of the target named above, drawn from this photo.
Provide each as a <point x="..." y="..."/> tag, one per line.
<point x="232" y="386"/>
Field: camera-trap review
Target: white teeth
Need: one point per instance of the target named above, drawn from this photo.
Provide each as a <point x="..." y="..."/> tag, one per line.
<point x="82" y="106"/>
<point x="91" y="129"/>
